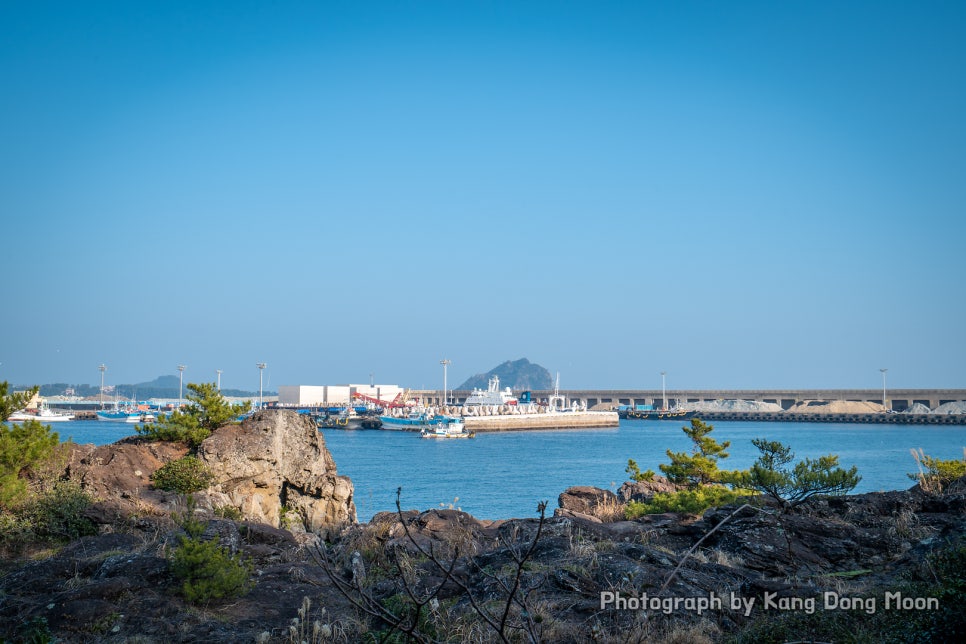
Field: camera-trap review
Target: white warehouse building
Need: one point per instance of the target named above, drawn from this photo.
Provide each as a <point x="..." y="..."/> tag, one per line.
<point x="322" y="395"/>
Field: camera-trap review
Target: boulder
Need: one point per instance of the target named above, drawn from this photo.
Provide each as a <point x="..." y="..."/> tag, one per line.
<point x="583" y="501"/>
<point x="118" y="476"/>
<point x="274" y="460"/>
<point x="642" y="491"/>
<point x="277" y="459"/>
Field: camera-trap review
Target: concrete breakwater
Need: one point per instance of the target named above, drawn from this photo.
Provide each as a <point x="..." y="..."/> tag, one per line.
<point x="544" y="420"/>
<point x="814" y="417"/>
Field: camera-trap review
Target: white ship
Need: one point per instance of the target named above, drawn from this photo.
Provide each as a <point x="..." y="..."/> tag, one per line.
<point x="492" y="395"/>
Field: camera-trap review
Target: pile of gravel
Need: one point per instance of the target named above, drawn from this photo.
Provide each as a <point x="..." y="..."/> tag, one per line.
<point x="916" y="408"/>
<point x="729" y="405"/>
<point x="958" y="407"/>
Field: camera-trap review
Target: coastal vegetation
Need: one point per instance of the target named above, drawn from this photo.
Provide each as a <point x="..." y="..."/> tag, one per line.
<point x="702" y="484"/>
<point x="11" y="401"/>
<point x="206" y="410"/>
<point x="184" y="475"/>
<point x="36" y="506"/>
<point x="935" y="474"/>
<point x="207" y="570"/>
<point x="770" y="475"/>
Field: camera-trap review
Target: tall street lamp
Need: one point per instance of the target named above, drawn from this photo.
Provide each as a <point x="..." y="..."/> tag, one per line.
<point x="664" y="390"/>
<point x="102" y="369"/>
<point x="883" y="388"/>
<point x="261" y="369"/>
<point x="445" y="363"/>
<point x="180" y="383"/>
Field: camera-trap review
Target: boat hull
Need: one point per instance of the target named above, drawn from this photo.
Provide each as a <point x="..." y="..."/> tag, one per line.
<point x="124" y="417"/>
<point x="420" y="423"/>
<point x="48" y="417"/>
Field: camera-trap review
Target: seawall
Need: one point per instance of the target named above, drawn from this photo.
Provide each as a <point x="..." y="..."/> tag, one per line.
<point x="558" y="420"/>
<point x="792" y="417"/>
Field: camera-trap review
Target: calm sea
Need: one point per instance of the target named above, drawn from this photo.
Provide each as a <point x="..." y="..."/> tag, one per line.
<point x="503" y="475"/>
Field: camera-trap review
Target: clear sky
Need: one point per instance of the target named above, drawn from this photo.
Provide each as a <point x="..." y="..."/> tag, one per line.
<point x="742" y="194"/>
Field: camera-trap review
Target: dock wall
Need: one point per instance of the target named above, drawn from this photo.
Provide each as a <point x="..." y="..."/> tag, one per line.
<point x="895" y="399"/>
<point x="565" y="420"/>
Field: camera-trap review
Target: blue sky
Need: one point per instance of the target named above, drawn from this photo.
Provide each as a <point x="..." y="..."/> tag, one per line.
<point x="742" y="194"/>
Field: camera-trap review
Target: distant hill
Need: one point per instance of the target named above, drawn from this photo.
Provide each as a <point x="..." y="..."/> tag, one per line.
<point x="160" y="387"/>
<point x="518" y="375"/>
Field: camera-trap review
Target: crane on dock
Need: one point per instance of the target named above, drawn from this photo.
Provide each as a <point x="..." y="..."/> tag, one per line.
<point x="401" y="400"/>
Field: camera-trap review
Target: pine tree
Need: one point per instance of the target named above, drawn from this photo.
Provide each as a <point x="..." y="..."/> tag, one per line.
<point x="206" y="410"/>
<point x="700" y="467"/>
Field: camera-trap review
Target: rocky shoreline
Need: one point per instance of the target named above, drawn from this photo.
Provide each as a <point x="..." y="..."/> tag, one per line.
<point x="583" y="574"/>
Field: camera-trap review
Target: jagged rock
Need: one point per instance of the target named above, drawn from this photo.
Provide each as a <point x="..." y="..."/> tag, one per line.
<point x="278" y="459"/>
<point x="273" y="460"/>
<point x="119" y="477"/>
<point x="643" y="491"/>
<point x="589" y="502"/>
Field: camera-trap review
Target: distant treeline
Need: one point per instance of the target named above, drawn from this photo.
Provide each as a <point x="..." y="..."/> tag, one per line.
<point x="128" y="392"/>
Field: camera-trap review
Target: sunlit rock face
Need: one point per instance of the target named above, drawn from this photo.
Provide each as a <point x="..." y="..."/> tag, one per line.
<point x="278" y="459"/>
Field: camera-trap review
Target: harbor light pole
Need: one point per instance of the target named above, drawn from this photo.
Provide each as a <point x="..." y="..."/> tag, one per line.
<point x="664" y="390"/>
<point x="445" y="363"/>
<point x="102" y="369"/>
<point x="883" y="388"/>
<point x="180" y="383"/>
<point x="261" y="369"/>
<point x="218" y="371"/>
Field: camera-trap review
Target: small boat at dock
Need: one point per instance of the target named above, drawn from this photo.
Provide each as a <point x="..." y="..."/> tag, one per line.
<point x="126" y="415"/>
<point x="418" y="421"/>
<point x="44" y="414"/>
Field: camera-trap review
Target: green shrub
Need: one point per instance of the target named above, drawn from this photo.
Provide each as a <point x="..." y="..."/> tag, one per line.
<point x="208" y="571"/>
<point x="687" y="501"/>
<point x="934" y="474"/>
<point x="58" y="513"/>
<point x="184" y="476"/>
<point x="229" y="512"/>
<point x="23" y="447"/>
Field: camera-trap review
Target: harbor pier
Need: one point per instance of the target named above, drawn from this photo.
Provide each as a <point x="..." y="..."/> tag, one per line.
<point x="895" y="399"/>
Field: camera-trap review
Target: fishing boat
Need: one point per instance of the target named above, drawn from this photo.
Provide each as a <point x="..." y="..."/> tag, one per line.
<point x="648" y="412"/>
<point x="126" y="415"/>
<point x="416" y="421"/>
<point x="446" y="430"/>
<point x="43" y="414"/>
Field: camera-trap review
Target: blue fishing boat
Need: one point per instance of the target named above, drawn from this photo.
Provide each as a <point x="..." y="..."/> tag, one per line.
<point x="417" y="421"/>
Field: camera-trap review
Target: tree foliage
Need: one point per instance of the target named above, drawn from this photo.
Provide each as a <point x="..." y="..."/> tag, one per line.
<point x="11" y="402"/>
<point x="770" y="474"/>
<point x="184" y="475"/>
<point x="700" y="467"/>
<point x="23" y="448"/>
<point x="208" y="571"/>
<point x="634" y="471"/>
<point x="206" y="410"/>
<point x="693" y="501"/>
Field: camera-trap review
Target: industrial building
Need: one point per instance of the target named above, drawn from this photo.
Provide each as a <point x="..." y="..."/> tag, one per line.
<point x="324" y="395"/>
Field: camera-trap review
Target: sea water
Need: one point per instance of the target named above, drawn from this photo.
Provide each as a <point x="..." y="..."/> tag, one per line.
<point x="506" y="474"/>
